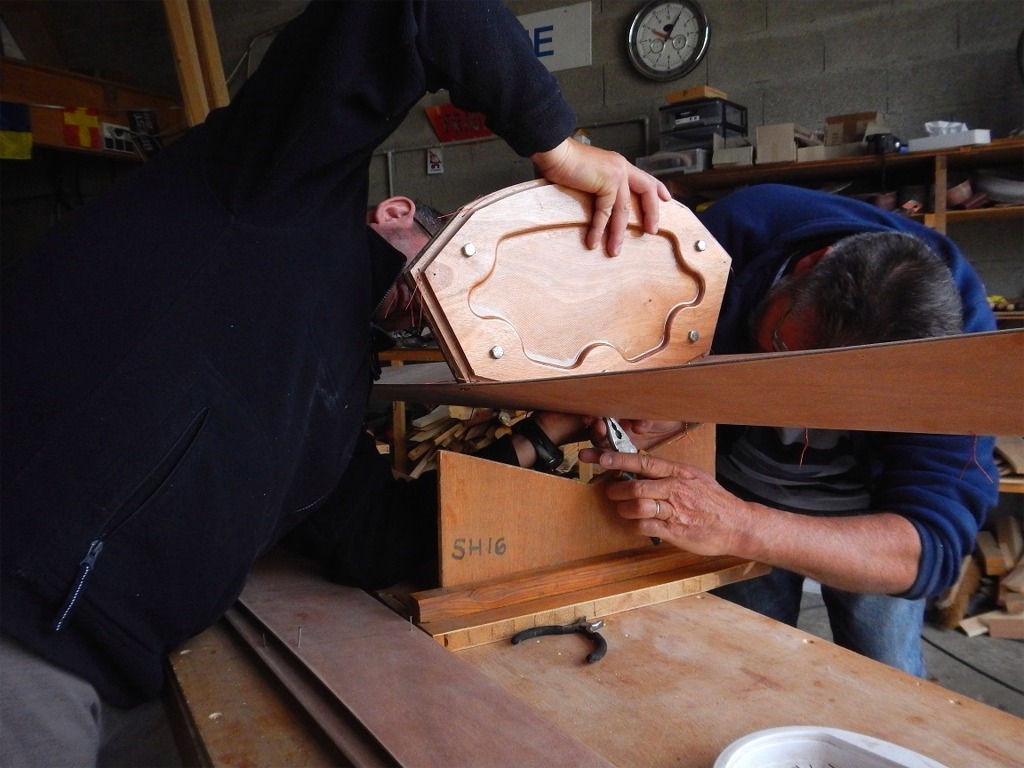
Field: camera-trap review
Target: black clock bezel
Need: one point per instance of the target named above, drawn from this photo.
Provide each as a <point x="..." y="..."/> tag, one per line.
<point x="689" y="65"/>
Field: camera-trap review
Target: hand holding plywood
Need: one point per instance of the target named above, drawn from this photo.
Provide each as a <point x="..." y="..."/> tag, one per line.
<point x="512" y="292"/>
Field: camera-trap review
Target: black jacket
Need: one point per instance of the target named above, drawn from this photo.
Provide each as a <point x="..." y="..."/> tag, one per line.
<point x="186" y="360"/>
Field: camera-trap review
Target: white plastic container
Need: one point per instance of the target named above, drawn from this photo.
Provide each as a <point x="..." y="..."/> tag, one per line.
<point x="812" y="747"/>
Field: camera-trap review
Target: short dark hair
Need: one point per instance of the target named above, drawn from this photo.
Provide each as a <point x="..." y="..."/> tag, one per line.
<point x="428" y="218"/>
<point x="877" y="287"/>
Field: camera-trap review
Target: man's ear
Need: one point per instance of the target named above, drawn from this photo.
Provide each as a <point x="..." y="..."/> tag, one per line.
<point x="395" y="210"/>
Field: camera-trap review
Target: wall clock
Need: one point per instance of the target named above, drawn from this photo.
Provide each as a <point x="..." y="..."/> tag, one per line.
<point x="668" y="38"/>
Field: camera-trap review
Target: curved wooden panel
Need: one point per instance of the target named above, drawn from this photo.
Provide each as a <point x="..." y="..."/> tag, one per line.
<point x="512" y="292"/>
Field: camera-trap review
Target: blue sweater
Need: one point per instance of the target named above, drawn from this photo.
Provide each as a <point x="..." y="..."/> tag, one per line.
<point x="187" y="360"/>
<point x="943" y="484"/>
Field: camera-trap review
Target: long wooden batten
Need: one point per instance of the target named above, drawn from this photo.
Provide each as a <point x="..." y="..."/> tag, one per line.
<point x="968" y="384"/>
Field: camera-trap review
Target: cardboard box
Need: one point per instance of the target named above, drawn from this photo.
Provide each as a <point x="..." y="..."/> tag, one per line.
<point x="846" y="129"/>
<point x="697" y="92"/>
<point x="947" y="140"/>
<point x="736" y="150"/>
<point x="776" y="143"/>
<point x="732" y="156"/>
<point x="821" y="152"/>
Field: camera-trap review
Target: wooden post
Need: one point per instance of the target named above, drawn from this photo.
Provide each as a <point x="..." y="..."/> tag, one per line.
<point x="197" y="57"/>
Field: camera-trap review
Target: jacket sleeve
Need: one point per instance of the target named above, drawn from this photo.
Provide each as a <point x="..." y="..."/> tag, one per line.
<point x="341" y="78"/>
<point x="944" y="485"/>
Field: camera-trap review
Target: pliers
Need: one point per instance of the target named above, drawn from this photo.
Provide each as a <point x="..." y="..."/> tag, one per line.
<point x="620" y="442"/>
<point x="588" y="628"/>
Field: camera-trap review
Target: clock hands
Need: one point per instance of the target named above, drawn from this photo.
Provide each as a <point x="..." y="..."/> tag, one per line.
<point x="669" y="27"/>
<point x="666" y="35"/>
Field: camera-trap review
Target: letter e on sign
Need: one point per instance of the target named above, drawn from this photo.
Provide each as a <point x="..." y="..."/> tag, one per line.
<point x="560" y="37"/>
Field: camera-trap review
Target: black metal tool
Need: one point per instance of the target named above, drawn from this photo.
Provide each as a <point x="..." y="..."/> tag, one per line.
<point x="588" y="628"/>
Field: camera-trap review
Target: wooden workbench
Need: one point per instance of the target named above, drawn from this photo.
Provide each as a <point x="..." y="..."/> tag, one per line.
<point x="681" y="681"/>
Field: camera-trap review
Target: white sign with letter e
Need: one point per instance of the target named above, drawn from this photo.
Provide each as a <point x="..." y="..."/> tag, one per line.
<point x="560" y="37"/>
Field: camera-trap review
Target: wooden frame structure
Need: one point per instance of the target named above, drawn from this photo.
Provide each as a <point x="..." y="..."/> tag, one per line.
<point x="512" y="267"/>
<point x="506" y="565"/>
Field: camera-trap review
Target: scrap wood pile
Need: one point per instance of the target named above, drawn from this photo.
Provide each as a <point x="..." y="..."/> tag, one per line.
<point x="466" y="429"/>
<point x="988" y="597"/>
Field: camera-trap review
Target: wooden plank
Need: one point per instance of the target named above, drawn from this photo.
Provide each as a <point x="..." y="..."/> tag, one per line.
<point x="208" y="53"/>
<point x="497" y="520"/>
<point x="512" y="267"/>
<point x="991" y="556"/>
<point x="447" y="602"/>
<point x="951" y="605"/>
<point x="355" y="744"/>
<point x="424" y="705"/>
<point x="1009" y="535"/>
<point x="186" y="60"/>
<point x="498" y="624"/>
<point x="684" y="679"/>
<point x="216" y="697"/>
<point x="966" y="384"/>
<point x="1006" y="625"/>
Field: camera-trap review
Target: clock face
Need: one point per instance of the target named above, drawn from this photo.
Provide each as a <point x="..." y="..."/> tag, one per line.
<point x="668" y="39"/>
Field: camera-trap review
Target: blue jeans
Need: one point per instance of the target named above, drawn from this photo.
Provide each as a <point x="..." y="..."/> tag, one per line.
<point x="881" y="627"/>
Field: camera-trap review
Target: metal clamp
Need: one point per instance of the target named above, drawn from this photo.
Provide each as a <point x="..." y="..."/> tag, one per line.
<point x="583" y="626"/>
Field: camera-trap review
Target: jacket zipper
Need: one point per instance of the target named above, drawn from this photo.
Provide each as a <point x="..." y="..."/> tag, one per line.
<point x="85" y="568"/>
<point x="88" y="563"/>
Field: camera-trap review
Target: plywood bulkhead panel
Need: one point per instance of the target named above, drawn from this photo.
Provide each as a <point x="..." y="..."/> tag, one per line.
<point x="512" y="292"/>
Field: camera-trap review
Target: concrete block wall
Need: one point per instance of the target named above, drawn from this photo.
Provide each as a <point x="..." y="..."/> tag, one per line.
<point x="786" y="61"/>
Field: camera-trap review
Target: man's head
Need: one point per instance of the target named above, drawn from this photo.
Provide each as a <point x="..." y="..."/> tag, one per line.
<point x="408" y="228"/>
<point x="864" y="289"/>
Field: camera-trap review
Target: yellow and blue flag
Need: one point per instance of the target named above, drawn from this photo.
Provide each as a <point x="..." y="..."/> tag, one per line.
<point x="15" y="131"/>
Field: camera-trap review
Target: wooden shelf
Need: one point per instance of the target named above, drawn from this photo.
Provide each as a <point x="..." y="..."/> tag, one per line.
<point x="998" y="213"/>
<point x="999" y="152"/>
<point x="884" y="171"/>
<point x="1011" y="484"/>
<point x="50" y="93"/>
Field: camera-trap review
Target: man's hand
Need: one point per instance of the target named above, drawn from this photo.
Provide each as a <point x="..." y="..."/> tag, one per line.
<point x="612" y="179"/>
<point x="677" y="503"/>
<point x="876" y="551"/>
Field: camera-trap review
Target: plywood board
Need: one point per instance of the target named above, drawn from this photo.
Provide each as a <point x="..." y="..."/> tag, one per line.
<point x="425" y="706"/>
<point x="511" y="290"/>
<point x="498" y="520"/>
<point x="683" y="679"/>
<point x="966" y="384"/>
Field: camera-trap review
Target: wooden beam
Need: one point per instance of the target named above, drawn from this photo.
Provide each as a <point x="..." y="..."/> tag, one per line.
<point x="197" y="57"/>
<point x="967" y="384"/>
<point x="601" y="598"/>
<point x="186" y="60"/>
<point x="209" y="53"/>
<point x="560" y="579"/>
<point x="49" y="92"/>
<point x="424" y="705"/>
